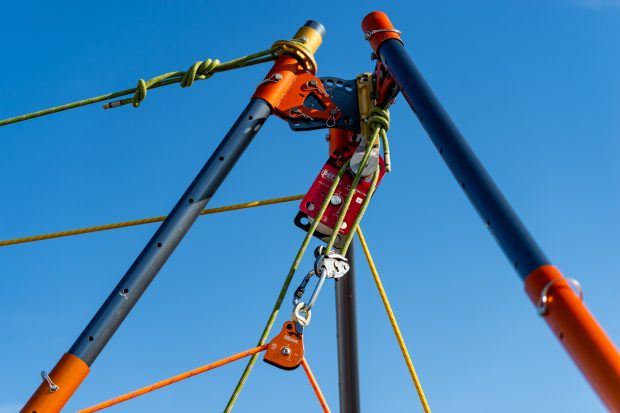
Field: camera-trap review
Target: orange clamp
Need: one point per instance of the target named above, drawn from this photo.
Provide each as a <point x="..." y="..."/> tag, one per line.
<point x="378" y="28"/>
<point x="286" y="88"/>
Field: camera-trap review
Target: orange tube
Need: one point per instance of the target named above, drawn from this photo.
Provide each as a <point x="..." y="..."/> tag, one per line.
<point x="171" y="380"/>
<point x="315" y="386"/>
<point x="68" y="374"/>
<point x="579" y="332"/>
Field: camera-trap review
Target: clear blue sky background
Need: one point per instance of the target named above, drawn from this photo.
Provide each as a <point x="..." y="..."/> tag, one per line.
<point x="533" y="84"/>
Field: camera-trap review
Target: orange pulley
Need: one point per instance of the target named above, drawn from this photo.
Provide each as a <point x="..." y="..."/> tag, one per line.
<point x="286" y="350"/>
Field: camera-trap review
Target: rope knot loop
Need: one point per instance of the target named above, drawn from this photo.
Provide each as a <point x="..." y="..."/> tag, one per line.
<point x="139" y="94"/>
<point x="379" y="118"/>
<point x="200" y="70"/>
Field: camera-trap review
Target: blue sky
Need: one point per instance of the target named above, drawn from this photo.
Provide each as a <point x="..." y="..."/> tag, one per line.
<point x="534" y="87"/>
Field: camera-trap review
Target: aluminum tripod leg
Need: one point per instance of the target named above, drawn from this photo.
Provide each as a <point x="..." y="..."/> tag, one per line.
<point x="74" y="366"/>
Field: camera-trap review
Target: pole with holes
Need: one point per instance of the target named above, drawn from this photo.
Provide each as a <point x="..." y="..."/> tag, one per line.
<point x="74" y="366"/>
<point x="576" y="328"/>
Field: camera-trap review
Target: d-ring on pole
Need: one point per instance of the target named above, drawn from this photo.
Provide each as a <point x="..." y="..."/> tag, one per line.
<point x="74" y="365"/>
<point x="577" y="329"/>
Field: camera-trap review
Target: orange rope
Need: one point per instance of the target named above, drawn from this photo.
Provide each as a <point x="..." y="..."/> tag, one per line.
<point x="315" y="386"/>
<point x="175" y="379"/>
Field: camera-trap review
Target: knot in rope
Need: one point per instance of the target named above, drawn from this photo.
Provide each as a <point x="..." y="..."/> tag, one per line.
<point x="379" y="118"/>
<point x="379" y="122"/>
<point x="199" y="70"/>
<point x="140" y="93"/>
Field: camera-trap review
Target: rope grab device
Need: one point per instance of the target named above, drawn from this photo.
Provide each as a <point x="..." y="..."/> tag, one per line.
<point x="355" y="110"/>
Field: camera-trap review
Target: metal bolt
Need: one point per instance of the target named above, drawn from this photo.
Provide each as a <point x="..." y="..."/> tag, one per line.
<point x="285" y="351"/>
<point x="313" y="82"/>
<point x="277" y="76"/>
<point x="336" y="200"/>
<point x="53" y="386"/>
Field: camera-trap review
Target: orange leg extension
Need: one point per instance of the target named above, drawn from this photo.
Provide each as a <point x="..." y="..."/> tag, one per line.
<point x="68" y="374"/>
<point x="579" y="332"/>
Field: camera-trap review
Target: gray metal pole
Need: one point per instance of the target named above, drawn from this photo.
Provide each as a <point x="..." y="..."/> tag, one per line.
<point x="157" y="251"/>
<point x="346" y="324"/>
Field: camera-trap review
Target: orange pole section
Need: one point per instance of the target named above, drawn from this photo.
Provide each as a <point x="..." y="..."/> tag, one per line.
<point x="68" y="374"/>
<point x="315" y="386"/>
<point x="171" y="380"/>
<point x="579" y="332"/>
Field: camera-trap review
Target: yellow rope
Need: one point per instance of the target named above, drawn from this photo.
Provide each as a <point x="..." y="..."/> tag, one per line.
<point x="78" y="231"/>
<point x="390" y="313"/>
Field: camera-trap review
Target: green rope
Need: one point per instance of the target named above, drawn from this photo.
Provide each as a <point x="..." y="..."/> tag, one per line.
<point x="362" y="211"/>
<point x="284" y="289"/>
<point x="198" y="71"/>
<point x="380" y="122"/>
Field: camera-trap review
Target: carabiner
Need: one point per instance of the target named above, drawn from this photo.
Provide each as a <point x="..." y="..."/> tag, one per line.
<point x="301" y="312"/>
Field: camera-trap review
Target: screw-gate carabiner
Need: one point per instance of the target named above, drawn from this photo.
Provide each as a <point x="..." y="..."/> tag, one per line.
<point x="301" y="312"/>
<point x="299" y="292"/>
